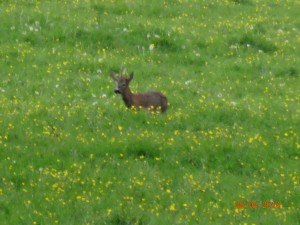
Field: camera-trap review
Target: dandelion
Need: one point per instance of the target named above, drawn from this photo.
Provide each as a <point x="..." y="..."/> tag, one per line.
<point x="172" y="207"/>
<point x="108" y="212"/>
<point x="91" y="156"/>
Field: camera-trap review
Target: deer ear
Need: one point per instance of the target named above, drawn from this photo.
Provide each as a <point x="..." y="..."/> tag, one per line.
<point x="113" y="75"/>
<point x="130" y="76"/>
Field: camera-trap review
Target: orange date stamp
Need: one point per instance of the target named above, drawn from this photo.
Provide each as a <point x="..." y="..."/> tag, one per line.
<point x="257" y="205"/>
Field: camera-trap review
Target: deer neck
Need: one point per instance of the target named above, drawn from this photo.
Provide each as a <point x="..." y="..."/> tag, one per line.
<point x="128" y="97"/>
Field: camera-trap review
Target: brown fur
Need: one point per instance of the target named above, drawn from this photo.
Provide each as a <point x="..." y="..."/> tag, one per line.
<point x="148" y="100"/>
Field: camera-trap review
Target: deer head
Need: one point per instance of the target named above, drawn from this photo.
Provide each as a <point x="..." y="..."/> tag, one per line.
<point x="122" y="82"/>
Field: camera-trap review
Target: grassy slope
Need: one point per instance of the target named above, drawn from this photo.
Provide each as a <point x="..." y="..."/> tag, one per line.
<point x="72" y="154"/>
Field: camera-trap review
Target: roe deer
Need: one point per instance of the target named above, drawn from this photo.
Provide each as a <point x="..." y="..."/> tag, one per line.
<point x="149" y="100"/>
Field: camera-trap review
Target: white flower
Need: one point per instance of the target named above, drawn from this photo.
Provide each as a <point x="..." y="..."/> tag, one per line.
<point x="188" y="82"/>
<point x="233" y="103"/>
<point x="151" y="47"/>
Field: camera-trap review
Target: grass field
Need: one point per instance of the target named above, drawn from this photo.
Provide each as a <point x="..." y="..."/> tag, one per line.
<point x="227" y="150"/>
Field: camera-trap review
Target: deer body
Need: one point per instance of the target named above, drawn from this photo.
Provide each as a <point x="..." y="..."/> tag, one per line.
<point x="148" y="100"/>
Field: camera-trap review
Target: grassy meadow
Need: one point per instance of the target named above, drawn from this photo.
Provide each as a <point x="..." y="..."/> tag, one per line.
<point x="227" y="151"/>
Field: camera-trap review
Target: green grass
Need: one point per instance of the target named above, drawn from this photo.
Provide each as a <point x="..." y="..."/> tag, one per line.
<point x="71" y="153"/>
